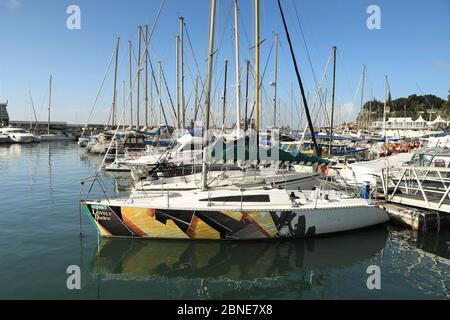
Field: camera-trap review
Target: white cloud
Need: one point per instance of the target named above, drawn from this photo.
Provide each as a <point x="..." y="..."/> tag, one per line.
<point x="12" y="4"/>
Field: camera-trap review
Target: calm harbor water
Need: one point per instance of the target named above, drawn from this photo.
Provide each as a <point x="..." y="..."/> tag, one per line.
<point x="39" y="239"/>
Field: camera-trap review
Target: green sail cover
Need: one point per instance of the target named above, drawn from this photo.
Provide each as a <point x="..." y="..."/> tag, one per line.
<point x="246" y="150"/>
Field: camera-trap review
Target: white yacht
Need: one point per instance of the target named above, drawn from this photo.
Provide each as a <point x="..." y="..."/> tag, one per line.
<point x="188" y="150"/>
<point x="18" y="135"/>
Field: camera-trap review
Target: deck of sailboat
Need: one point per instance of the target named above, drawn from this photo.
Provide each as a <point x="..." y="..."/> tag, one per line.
<point x="235" y="199"/>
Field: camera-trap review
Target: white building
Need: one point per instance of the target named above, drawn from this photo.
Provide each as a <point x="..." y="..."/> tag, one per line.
<point x="408" y="124"/>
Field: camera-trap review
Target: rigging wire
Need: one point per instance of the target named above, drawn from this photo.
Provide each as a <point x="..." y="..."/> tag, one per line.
<point x="308" y="54"/>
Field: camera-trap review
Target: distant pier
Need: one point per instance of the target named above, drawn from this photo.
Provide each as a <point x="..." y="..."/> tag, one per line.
<point x="65" y="127"/>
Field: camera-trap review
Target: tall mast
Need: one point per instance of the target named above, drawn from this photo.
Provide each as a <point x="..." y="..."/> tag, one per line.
<point x="113" y="118"/>
<point x="30" y="106"/>
<point x="159" y="93"/>
<point x="225" y="94"/>
<point x="124" y="100"/>
<point x="212" y="23"/>
<point x="238" y="70"/>
<point x="362" y="92"/>
<point x="138" y="93"/>
<point x="183" y="107"/>
<point x="385" y="107"/>
<point x="151" y="106"/>
<point x="257" y="55"/>
<point x="300" y="83"/>
<point x="196" y="100"/>
<point x="292" y="106"/>
<point x="49" y="103"/>
<point x="130" y="49"/>
<point x="246" y="97"/>
<point x="370" y="106"/>
<point x="333" y="97"/>
<point x="177" y="47"/>
<point x="275" y="83"/>
<point x="146" y="75"/>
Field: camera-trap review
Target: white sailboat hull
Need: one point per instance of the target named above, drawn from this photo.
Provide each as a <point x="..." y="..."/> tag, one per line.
<point x="207" y="216"/>
<point x="55" y="138"/>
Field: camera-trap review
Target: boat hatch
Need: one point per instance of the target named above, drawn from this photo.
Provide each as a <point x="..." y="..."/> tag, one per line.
<point x="251" y="198"/>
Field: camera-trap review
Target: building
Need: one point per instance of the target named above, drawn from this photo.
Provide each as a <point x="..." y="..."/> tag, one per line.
<point x="4" y="117"/>
<point x="409" y="124"/>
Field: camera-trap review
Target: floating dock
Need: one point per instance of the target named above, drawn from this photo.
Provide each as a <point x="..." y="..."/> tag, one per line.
<point x="415" y="218"/>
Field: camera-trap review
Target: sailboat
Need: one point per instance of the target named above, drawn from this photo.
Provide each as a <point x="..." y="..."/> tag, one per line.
<point x="50" y="137"/>
<point x="234" y="212"/>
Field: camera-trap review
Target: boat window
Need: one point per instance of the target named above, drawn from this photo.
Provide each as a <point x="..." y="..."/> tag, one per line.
<point x="252" y="198"/>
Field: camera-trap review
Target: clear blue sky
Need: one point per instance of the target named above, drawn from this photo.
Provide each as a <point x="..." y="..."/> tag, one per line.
<point x="412" y="47"/>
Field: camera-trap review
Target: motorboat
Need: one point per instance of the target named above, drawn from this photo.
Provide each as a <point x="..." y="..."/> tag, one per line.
<point x="18" y="135"/>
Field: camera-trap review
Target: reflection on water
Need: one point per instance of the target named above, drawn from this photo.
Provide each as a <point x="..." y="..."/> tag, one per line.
<point x="131" y="259"/>
<point x="123" y="259"/>
<point x="426" y="257"/>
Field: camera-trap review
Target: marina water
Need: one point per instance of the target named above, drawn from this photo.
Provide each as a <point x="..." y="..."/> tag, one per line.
<point x="40" y="238"/>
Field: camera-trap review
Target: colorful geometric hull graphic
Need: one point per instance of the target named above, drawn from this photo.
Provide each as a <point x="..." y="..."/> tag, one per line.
<point x="202" y="225"/>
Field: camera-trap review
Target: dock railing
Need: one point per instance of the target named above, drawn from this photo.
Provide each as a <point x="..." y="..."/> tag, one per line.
<point x="422" y="187"/>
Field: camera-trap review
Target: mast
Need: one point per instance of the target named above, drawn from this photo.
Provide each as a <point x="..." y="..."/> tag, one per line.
<point x="124" y="100"/>
<point x="151" y="111"/>
<point x="31" y="116"/>
<point x="275" y="83"/>
<point x="177" y="47"/>
<point x="138" y="93"/>
<point x="292" y="106"/>
<point x="370" y="106"/>
<point x="159" y="93"/>
<point x="49" y="102"/>
<point x="333" y="97"/>
<point x="362" y="92"/>
<point x="212" y="22"/>
<point x="246" y="97"/>
<point x="183" y="107"/>
<point x="238" y="70"/>
<point x="130" y="49"/>
<point x="300" y="83"/>
<point x="113" y="119"/>
<point x="196" y="100"/>
<point x="257" y="56"/>
<point x="225" y="95"/>
<point x="385" y="107"/>
<point x="146" y="76"/>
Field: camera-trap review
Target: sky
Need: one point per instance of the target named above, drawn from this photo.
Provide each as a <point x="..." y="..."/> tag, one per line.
<point x="412" y="48"/>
